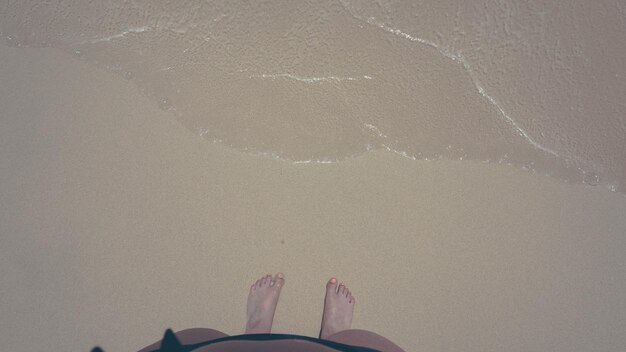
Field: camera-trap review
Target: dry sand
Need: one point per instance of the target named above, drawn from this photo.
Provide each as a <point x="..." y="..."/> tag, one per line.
<point x="117" y="222"/>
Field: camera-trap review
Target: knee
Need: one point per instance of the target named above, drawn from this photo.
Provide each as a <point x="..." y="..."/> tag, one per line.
<point x="197" y="335"/>
<point x="357" y="337"/>
<point x="350" y="334"/>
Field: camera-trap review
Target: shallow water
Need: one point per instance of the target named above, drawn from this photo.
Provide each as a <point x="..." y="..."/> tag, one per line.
<point x="535" y="85"/>
<point x="110" y="210"/>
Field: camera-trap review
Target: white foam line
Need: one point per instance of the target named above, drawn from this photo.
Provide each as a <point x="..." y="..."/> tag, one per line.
<point x="314" y="162"/>
<point x="375" y="129"/>
<point x="309" y="79"/>
<point x="117" y="36"/>
<point x="461" y="60"/>
<point x="281" y="158"/>
<point x="522" y="133"/>
<point x="400" y="152"/>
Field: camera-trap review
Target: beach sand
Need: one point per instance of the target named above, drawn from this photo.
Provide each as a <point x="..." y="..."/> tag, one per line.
<point x="116" y="222"/>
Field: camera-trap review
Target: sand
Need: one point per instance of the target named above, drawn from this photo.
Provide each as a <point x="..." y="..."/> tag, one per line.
<point x="117" y="222"/>
<point x="533" y="83"/>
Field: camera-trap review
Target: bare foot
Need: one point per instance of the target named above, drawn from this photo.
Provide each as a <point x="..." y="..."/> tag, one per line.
<point x="338" y="309"/>
<point x="262" y="302"/>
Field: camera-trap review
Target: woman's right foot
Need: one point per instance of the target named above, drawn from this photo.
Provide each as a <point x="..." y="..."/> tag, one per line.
<point x="338" y="309"/>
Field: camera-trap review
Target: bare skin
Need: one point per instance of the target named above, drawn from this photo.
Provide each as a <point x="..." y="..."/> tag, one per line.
<point x="263" y="298"/>
<point x="262" y="301"/>
<point x="338" y="309"/>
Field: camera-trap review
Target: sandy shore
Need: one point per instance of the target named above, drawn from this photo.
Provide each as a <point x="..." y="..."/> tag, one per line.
<point x="116" y="222"/>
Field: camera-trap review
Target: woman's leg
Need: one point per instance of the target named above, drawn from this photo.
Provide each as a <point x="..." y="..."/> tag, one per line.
<point x="262" y="300"/>
<point x="337" y="321"/>
<point x="364" y="338"/>
<point x="190" y="336"/>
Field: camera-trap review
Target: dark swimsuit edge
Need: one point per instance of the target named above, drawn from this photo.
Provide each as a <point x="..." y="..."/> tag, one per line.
<point x="274" y="337"/>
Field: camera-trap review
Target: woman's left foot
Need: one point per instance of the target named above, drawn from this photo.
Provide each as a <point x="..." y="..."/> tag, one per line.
<point x="262" y="302"/>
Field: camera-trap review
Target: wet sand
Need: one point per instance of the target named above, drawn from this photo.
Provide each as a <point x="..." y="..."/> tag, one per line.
<point x="535" y="84"/>
<point x="117" y="222"/>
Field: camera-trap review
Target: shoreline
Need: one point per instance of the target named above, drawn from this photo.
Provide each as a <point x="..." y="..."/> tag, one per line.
<point x="118" y="222"/>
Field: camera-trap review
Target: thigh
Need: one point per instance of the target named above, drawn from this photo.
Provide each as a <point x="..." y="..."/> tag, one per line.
<point x="190" y="336"/>
<point x="365" y="338"/>
<point x="266" y="346"/>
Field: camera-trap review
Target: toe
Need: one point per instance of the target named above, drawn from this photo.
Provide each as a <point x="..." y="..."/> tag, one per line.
<point x="278" y="281"/>
<point x="342" y="288"/>
<point x="331" y="286"/>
